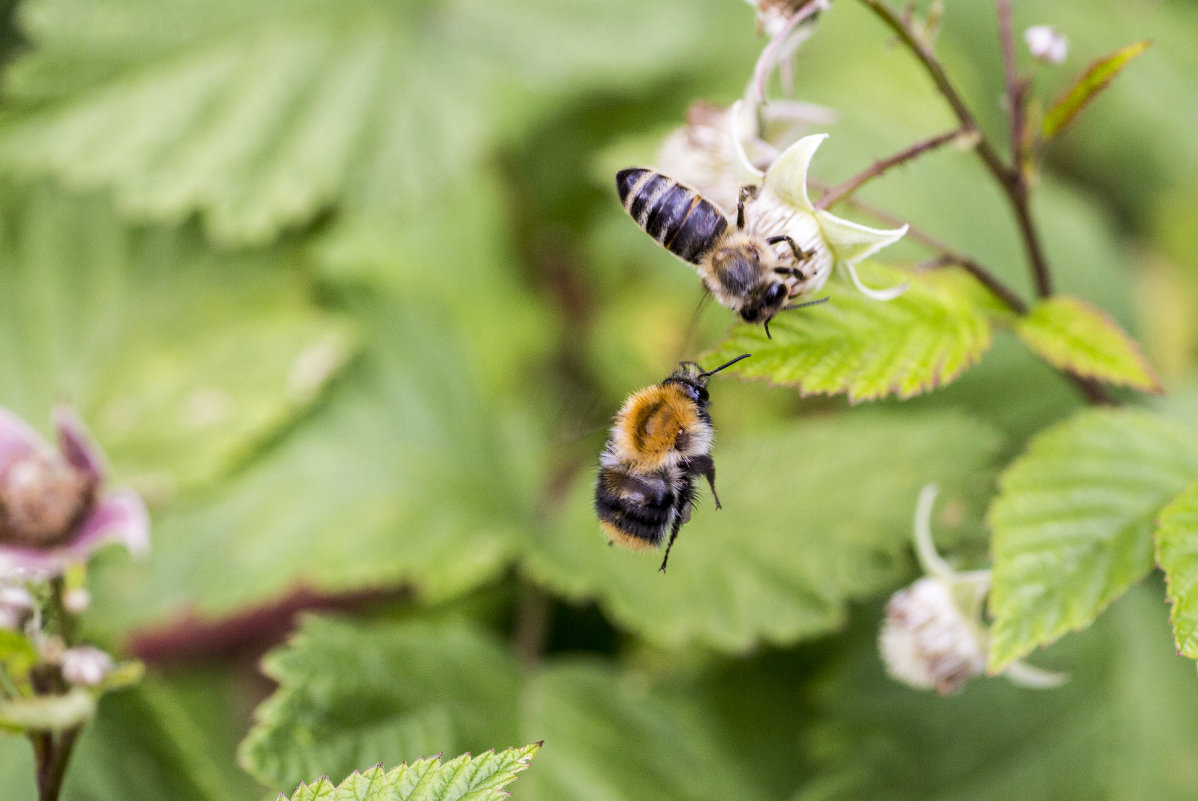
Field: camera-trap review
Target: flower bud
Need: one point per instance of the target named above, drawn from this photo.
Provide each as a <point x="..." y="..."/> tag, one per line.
<point x="927" y="642"/>
<point x="1046" y="43"/>
<point x="77" y="600"/>
<point x="16" y="607"/>
<point x="85" y="665"/>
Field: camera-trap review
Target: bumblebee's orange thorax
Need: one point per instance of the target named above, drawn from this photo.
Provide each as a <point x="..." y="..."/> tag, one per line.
<point x="659" y="426"/>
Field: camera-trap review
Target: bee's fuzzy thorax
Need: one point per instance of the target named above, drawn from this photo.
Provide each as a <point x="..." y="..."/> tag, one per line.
<point x="659" y="426"/>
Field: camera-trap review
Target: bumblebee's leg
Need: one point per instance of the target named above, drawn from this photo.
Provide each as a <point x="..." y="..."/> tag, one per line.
<point x="747" y="193"/>
<point x="704" y="465"/>
<point x="678" y="521"/>
<point x="795" y="271"/>
<point x="799" y="254"/>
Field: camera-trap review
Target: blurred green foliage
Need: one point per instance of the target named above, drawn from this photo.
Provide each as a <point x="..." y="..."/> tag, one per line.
<point x="344" y="289"/>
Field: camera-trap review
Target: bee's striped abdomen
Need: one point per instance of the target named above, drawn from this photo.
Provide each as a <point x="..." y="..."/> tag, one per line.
<point x="675" y="215"/>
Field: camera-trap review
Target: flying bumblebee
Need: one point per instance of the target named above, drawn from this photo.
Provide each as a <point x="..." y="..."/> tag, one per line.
<point x="740" y="268"/>
<point x="660" y="443"/>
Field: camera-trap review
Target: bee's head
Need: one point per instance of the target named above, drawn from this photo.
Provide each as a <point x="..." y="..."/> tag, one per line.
<point x="764" y="302"/>
<point x="692" y="379"/>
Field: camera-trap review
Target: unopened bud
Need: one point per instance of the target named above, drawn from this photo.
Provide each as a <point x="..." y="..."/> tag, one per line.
<point x="1046" y="43"/>
<point x="927" y="642"/>
<point x="85" y="665"/>
<point x="77" y="600"/>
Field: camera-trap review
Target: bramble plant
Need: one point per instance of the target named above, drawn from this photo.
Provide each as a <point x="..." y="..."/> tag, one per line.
<point x="346" y="296"/>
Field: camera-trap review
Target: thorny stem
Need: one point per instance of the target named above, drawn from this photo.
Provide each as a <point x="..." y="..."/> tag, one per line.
<point x="839" y="193"/>
<point x="1010" y="178"/>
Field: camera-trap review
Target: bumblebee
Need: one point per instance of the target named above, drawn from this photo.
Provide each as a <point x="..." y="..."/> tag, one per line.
<point x="660" y="443"/>
<point x="740" y="268"/>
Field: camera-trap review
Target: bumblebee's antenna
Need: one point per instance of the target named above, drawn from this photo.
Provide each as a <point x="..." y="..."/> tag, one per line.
<point x="725" y="364"/>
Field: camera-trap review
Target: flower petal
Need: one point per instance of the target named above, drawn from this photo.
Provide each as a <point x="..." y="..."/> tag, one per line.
<point x="876" y="294"/>
<point x="740" y="127"/>
<point x="76" y="444"/>
<point x="787" y="177"/>
<point x="119" y="517"/>
<point x="851" y="242"/>
<point x="1032" y="677"/>
<point x="17" y="439"/>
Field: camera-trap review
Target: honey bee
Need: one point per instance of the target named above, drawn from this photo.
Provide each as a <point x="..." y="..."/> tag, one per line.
<point x="660" y="443"/>
<point x="740" y="268"/>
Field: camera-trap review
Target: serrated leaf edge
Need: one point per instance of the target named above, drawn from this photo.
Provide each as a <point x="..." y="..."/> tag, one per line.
<point x="521" y="763"/>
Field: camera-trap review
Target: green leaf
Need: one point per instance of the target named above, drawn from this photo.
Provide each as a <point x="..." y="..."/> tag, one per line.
<point x="612" y="734"/>
<point x="865" y="348"/>
<point x="1121" y="729"/>
<point x="1177" y="554"/>
<point x="1098" y="75"/>
<point x="1071" y="334"/>
<point x="411" y="473"/>
<point x="353" y="695"/>
<point x="815" y="515"/>
<point x="480" y="778"/>
<point x="260" y="115"/>
<point x="1073" y="522"/>
<point x="179" y="360"/>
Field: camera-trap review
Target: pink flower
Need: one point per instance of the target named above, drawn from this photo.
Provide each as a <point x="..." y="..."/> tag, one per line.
<point x="53" y="510"/>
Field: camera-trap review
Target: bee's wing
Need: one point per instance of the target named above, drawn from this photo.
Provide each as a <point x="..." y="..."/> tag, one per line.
<point x="692" y="328"/>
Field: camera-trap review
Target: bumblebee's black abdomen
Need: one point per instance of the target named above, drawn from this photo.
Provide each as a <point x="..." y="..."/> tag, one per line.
<point x="674" y="214"/>
<point x="640" y="507"/>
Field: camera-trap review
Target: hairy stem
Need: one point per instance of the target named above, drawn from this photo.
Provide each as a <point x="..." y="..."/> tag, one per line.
<point x="839" y="193"/>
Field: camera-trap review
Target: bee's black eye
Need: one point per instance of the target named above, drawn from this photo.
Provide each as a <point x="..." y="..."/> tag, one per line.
<point x="776" y="294"/>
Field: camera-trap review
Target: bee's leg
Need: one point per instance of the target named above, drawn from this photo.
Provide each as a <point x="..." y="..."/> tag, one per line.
<point x="795" y="271"/>
<point x="704" y="466"/>
<point x="799" y="254"/>
<point x="747" y="193"/>
<point x="678" y="521"/>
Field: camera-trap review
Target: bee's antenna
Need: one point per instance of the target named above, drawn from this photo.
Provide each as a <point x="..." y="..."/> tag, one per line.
<point x="725" y="364"/>
<point x="766" y="325"/>
<point x="804" y="305"/>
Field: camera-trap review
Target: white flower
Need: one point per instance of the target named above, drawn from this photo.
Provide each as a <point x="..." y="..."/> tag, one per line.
<point x="782" y="207"/>
<point x="926" y="641"/>
<point x="933" y="637"/>
<point x="704" y="153"/>
<point x="1046" y="43"/>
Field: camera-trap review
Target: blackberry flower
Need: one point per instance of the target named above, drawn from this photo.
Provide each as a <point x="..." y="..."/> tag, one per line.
<point x="54" y="510"/>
